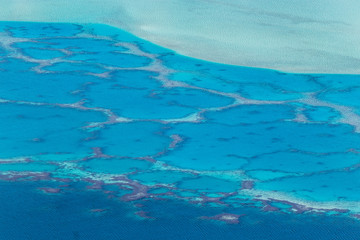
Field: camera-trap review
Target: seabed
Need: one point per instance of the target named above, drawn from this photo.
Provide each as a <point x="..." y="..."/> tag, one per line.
<point x="105" y="135"/>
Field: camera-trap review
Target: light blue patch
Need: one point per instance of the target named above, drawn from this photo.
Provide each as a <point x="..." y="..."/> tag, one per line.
<point x="27" y="167"/>
<point x="252" y="114"/>
<point x="321" y="114"/>
<point x="166" y="177"/>
<point x="114" y="166"/>
<point x="138" y="139"/>
<point x="29" y="129"/>
<point x="302" y="162"/>
<point x="209" y="184"/>
<point x="336" y="186"/>
<point x="40" y="30"/>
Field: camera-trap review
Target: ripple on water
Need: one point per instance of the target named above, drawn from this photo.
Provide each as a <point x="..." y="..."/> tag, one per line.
<point x="135" y="95"/>
<point x="50" y="87"/>
<point x="326" y="187"/>
<point x="65" y="67"/>
<point x="167" y="177"/>
<point x="114" y="59"/>
<point x="115" y="165"/>
<point x="321" y="114"/>
<point x="40" y="30"/>
<point x="235" y="78"/>
<point x="33" y="50"/>
<point x="29" y="129"/>
<point x="300" y="162"/>
<point x="134" y="139"/>
<point x="348" y="97"/>
<point x="252" y="114"/>
<point x="80" y="44"/>
<point x="27" y="167"/>
<point x="210" y="185"/>
<point x="210" y="146"/>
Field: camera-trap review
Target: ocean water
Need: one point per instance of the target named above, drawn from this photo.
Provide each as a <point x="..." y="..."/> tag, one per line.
<point x="104" y="135"/>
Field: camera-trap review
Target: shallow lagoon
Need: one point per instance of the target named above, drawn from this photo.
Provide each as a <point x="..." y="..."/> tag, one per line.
<point x="208" y="138"/>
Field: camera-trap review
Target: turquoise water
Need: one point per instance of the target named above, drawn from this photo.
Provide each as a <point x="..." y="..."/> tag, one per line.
<point x="30" y="130"/>
<point x="94" y="110"/>
<point x="115" y="166"/>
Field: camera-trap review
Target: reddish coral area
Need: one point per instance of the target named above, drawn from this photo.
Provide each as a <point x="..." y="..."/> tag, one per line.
<point x="50" y="190"/>
<point x="228" y="218"/>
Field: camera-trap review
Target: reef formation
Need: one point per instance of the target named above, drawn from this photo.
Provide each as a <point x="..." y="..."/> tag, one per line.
<point x="96" y="105"/>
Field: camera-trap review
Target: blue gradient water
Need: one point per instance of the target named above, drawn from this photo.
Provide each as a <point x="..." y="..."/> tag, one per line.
<point x="131" y="141"/>
<point x="68" y="216"/>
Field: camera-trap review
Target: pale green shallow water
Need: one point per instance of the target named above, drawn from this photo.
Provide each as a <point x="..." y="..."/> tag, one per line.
<point x="295" y="36"/>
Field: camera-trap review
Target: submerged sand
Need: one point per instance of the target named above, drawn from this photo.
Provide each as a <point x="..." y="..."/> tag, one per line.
<point x="291" y="36"/>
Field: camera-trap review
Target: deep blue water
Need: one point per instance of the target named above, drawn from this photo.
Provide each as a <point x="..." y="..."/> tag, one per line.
<point x="28" y="214"/>
<point x="106" y="136"/>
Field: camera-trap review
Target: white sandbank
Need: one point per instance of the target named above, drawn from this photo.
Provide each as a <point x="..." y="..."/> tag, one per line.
<point x="321" y="36"/>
